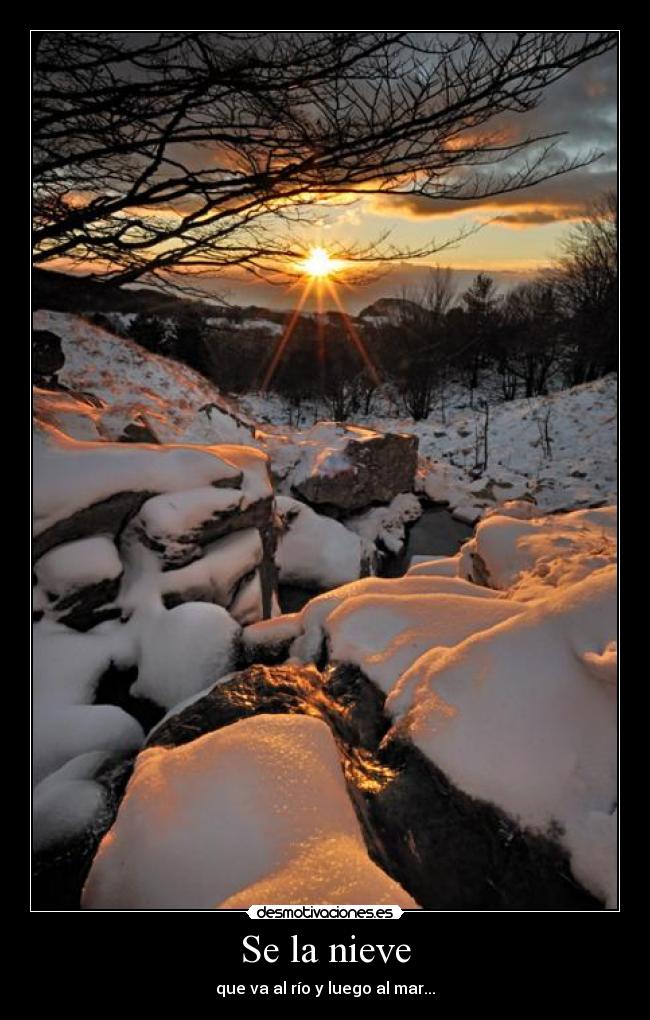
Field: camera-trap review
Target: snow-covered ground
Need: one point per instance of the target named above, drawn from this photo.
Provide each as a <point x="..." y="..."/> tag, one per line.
<point x="129" y="382"/>
<point x="577" y="467"/>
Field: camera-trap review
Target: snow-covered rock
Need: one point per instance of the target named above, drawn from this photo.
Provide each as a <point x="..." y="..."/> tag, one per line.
<point x="47" y="356"/>
<point x="218" y="575"/>
<point x="257" y="810"/>
<point x="530" y="556"/>
<point x="518" y="716"/>
<point x="269" y="640"/>
<point x="385" y="527"/>
<point x="80" y="581"/>
<point x="67" y="801"/>
<point x="183" y="650"/>
<point x="67" y="667"/>
<point x="385" y="634"/>
<point x="343" y="467"/>
<point x="314" y="551"/>
<point x="312" y="620"/>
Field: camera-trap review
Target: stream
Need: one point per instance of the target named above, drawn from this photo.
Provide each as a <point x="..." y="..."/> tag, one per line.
<point x="435" y="533"/>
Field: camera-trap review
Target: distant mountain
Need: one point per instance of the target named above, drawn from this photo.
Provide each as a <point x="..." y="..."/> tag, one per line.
<point x="389" y="309"/>
<point x="61" y="292"/>
<point x="255" y="298"/>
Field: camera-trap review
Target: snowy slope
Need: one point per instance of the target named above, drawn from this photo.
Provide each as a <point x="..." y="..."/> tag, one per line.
<point x="130" y="382"/>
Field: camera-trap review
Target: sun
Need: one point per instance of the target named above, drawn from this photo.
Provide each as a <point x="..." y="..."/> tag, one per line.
<point x="318" y="264"/>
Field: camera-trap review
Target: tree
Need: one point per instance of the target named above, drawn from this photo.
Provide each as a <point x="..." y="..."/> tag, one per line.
<point x="419" y="350"/>
<point x="585" y="279"/>
<point x="158" y="155"/>
<point x="481" y="324"/>
<point x="530" y="338"/>
<point x="149" y="331"/>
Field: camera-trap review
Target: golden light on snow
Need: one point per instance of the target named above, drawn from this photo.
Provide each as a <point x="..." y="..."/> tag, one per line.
<point x="319" y="264"/>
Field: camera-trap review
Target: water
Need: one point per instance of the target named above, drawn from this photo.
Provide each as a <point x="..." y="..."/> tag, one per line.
<point x="435" y="533"/>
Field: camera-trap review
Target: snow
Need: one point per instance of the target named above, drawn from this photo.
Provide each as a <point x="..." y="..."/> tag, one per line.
<point x="70" y="413"/>
<point x="78" y="564"/>
<point x="385" y="635"/>
<point x="184" y="512"/>
<point x="182" y="650"/>
<point x="581" y="470"/>
<point x="130" y="382"/>
<point x="66" y="668"/>
<point x="516" y="716"/>
<point x="320" y="450"/>
<point x="500" y="663"/>
<point x="257" y="808"/>
<point x="529" y="556"/>
<point x="71" y="474"/>
<point x="315" y="551"/>
<point x="438" y="566"/>
<point x="65" y="732"/>
<point x="214" y="577"/>
<point x="67" y="801"/>
<point x="307" y="646"/>
<point x="271" y="634"/>
<point x="387" y="525"/>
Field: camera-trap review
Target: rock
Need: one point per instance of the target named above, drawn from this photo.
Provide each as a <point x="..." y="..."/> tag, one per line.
<point x="220" y="575"/>
<point x="106" y="517"/>
<point x="47" y="355"/>
<point x="60" y="869"/>
<point x="80" y="582"/>
<point x="181" y="539"/>
<point x="461" y="853"/>
<point x="373" y="468"/>
<point x="138" y="431"/>
<point x="348" y="702"/>
<point x="446" y="849"/>
<point x="268" y="641"/>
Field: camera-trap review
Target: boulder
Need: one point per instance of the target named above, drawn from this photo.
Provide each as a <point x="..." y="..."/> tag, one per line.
<point x="47" y="355"/>
<point x="361" y="468"/>
<point x="105" y="517"/>
<point x="138" y="431"/>
<point x="461" y="853"/>
<point x="190" y="531"/>
<point x="79" y="582"/>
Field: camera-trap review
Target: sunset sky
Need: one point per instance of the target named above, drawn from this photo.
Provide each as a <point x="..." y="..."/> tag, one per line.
<point x="519" y="231"/>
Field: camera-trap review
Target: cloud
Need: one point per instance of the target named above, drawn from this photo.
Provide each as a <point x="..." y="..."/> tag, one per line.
<point x="538" y="217"/>
<point x="567" y="197"/>
<point x="582" y="107"/>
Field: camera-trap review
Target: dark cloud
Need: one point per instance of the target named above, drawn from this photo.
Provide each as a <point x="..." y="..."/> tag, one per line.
<point x="561" y="198"/>
<point x="536" y="217"/>
<point x="582" y="108"/>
